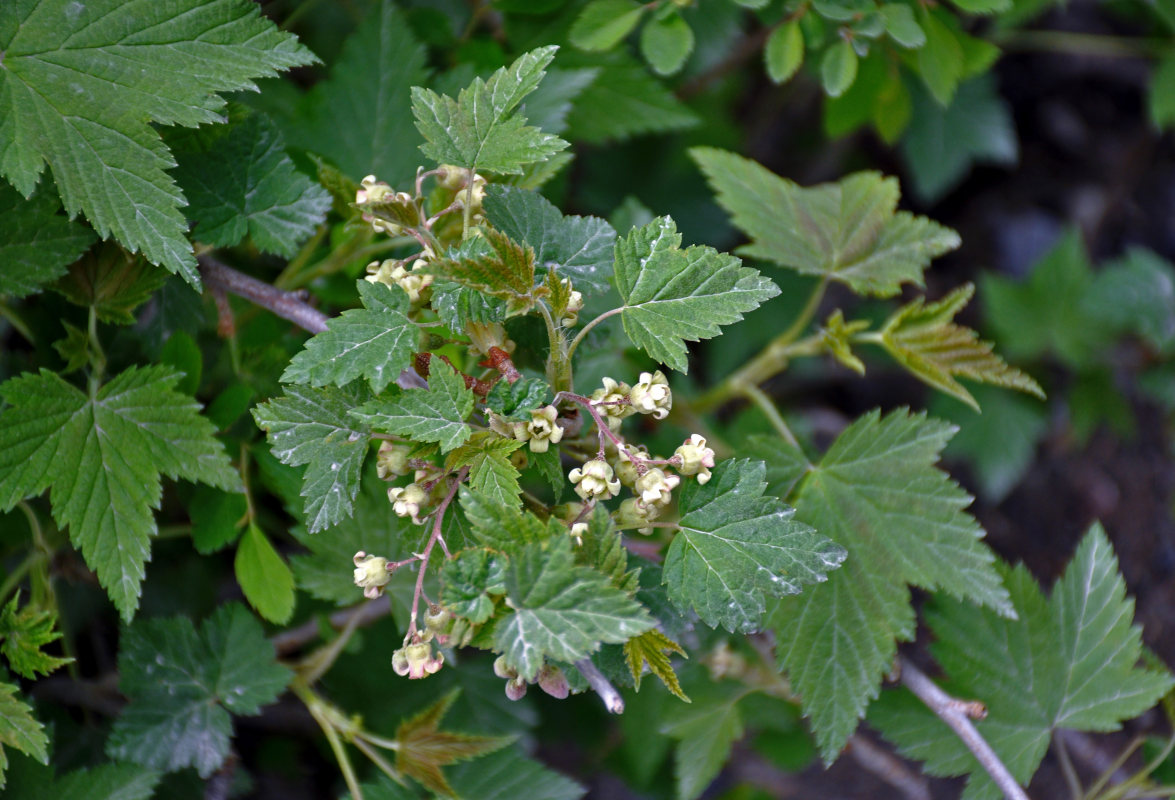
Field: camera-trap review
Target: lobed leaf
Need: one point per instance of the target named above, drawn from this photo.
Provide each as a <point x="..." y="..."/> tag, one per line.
<point x="735" y="547"/>
<point x="671" y="296"/>
<point x="902" y="521"/>
<point x="83" y="84"/>
<point x="436" y="414"/>
<point x="36" y="242"/>
<point x="1068" y="662"/>
<point x="313" y="427"/>
<point x="375" y="342"/>
<point x="182" y="684"/>
<point x="102" y="454"/>
<point x="479" y="129"/>
<point x="847" y="231"/>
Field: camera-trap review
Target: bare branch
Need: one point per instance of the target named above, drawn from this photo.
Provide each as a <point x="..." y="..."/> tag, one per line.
<point x="957" y="714"/>
<point x="287" y="305"/>
<point x="602" y="686"/>
<point x="295" y="639"/>
<point x="888" y="768"/>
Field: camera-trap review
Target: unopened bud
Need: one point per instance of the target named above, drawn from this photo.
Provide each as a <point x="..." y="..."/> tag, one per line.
<point x="552" y="681"/>
<point x="516" y="688"/>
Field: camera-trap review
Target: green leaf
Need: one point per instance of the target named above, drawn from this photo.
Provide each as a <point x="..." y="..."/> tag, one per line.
<point x="1068" y="662"/>
<point x="24" y="633"/>
<point x="509" y="775"/>
<point x="82" y="85"/>
<point x="602" y="548"/>
<point x="360" y="117"/>
<point x="102" y="455"/>
<point x="424" y="748"/>
<point x="326" y="570"/>
<point x="436" y="414"/>
<point x="74" y="348"/>
<point x="983" y="6"/>
<point x="1161" y="94"/>
<point x="215" y="516"/>
<point x="36" y="242"/>
<point x="19" y="729"/>
<point x="502" y="527"/>
<point x="901" y="26"/>
<point x="925" y="340"/>
<point x="735" y="547"/>
<point x="112" y="282"/>
<point x="243" y="183"/>
<point x="838" y="68"/>
<point x="838" y="640"/>
<point x="785" y="464"/>
<point x="603" y="23"/>
<point x="457" y="305"/>
<point x="666" y="43"/>
<point x="654" y="649"/>
<point x="314" y="427"/>
<point x="479" y="130"/>
<point x="847" y="231"/>
<point x="784" y="52"/>
<point x="580" y="248"/>
<point x="1046" y="314"/>
<point x="496" y="266"/>
<point x="561" y="611"/>
<point x="490" y="472"/>
<point x="706" y="729"/>
<point x="940" y="61"/>
<point x="625" y="101"/>
<point x="104" y="782"/>
<point x="515" y="401"/>
<point x="942" y="144"/>
<point x="672" y="296"/>
<point x="265" y="579"/>
<point x="1136" y="294"/>
<point x="183" y="684"/>
<point x="469" y="582"/>
<point x="375" y="342"/>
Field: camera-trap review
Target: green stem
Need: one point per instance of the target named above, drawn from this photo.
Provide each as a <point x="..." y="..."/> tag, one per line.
<point x="583" y="332"/>
<point x="16" y="322"/>
<point x="97" y="354"/>
<point x="17" y="575"/>
<point x="559" y="359"/>
<point x="323" y="716"/>
<point x="320" y="661"/>
<point x="771" y="360"/>
<point x="764" y="404"/>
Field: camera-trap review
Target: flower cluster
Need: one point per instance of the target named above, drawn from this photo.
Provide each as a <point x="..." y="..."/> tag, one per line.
<point x="415" y="282"/>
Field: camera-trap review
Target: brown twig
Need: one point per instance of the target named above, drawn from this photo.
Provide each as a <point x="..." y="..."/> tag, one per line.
<point x="885" y="766"/>
<point x="295" y="639"/>
<point x="287" y="305"/>
<point x="957" y="714"/>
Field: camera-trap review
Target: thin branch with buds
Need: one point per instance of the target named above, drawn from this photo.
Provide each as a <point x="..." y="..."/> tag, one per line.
<point x="433" y="538"/>
<point x="958" y="715"/>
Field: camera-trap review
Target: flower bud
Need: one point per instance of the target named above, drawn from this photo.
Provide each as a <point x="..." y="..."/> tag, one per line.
<point x="577" y="531"/>
<point x="406" y="501"/>
<point x="437" y="618"/>
<point x="392" y="273"/>
<point x="574" y="306"/>
<point x="503" y="669"/>
<point x="656" y="488"/>
<point x="595" y="480"/>
<point x="634" y="513"/>
<point x="612" y="401"/>
<point x="542" y="430"/>
<point x="371" y="574"/>
<point x="516" y="688"/>
<point x="651" y="395"/>
<point x="392" y="460"/>
<point x="552" y="681"/>
<point x="417" y="661"/>
<point x="696" y="458"/>
<point x="372" y="191"/>
<point x="626" y="464"/>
